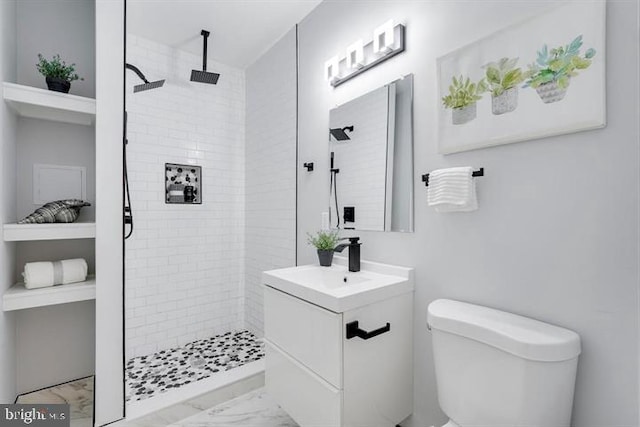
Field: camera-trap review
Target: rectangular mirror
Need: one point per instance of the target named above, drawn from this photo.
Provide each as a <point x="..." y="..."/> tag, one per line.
<point x="371" y="160"/>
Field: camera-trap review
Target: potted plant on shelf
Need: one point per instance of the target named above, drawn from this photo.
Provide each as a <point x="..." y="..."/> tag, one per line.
<point x="551" y="74"/>
<point x="325" y="242"/>
<point x="57" y="73"/>
<point x="462" y="98"/>
<point x="503" y="79"/>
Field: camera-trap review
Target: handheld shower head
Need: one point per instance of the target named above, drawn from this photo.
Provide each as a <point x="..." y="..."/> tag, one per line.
<point x="204" y="76"/>
<point x="147" y="84"/>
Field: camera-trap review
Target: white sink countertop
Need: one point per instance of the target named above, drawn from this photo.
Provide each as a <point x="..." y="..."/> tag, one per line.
<point x="339" y="290"/>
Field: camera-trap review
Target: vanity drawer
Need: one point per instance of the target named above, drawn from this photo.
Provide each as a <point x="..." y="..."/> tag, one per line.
<point x="306" y="397"/>
<point x="308" y="333"/>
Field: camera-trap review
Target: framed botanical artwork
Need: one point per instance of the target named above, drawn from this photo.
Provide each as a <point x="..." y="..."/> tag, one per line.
<point x="541" y="77"/>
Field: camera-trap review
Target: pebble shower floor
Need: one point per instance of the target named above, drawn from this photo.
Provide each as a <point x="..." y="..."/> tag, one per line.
<point x="147" y="376"/>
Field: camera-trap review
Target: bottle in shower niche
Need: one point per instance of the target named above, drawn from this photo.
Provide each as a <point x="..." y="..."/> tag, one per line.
<point x="189" y="196"/>
<point x="176" y="193"/>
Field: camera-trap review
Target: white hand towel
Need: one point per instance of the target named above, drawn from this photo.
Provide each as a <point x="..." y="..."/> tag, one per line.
<point x="452" y="190"/>
<point x="43" y="274"/>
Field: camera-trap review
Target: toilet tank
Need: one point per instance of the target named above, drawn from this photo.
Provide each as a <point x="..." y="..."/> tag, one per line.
<point x="502" y="370"/>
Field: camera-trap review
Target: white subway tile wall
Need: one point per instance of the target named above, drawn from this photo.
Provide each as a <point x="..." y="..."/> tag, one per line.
<point x="270" y="171"/>
<point x="362" y="159"/>
<point x="184" y="263"/>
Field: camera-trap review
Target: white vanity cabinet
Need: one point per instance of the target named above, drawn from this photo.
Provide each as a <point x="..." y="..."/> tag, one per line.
<point x="322" y="376"/>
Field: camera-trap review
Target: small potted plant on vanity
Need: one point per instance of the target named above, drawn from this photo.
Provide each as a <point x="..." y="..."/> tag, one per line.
<point x="503" y="79"/>
<point x="551" y="74"/>
<point x="58" y="74"/>
<point x="325" y="242"/>
<point x="462" y="97"/>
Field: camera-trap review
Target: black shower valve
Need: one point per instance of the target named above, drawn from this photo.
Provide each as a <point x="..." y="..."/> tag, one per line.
<point x="309" y="166"/>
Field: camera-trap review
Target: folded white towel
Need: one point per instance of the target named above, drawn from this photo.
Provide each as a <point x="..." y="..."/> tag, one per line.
<point x="43" y="274"/>
<point x="452" y="190"/>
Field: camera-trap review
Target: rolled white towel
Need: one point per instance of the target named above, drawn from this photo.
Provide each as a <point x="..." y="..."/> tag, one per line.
<point x="50" y="273"/>
<point x="452" y="190"/>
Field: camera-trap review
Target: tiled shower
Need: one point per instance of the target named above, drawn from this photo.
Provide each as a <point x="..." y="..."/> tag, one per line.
<point x="184" y="285"/>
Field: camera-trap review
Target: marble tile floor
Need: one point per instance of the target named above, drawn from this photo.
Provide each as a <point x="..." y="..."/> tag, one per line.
<point x="78" y="394"/>
<point x="147" y="376"/>
<point x="193" y="399"/>
<point x="253" y="409"/>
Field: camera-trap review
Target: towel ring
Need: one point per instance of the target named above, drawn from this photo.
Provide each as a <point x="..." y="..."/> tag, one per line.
<point x="425" y="177"/>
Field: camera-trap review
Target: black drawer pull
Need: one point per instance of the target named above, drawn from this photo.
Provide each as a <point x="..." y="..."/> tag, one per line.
<point x="354" y="331"/>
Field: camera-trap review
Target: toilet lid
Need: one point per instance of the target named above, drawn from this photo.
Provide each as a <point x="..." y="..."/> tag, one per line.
<point x="521" y="336"/>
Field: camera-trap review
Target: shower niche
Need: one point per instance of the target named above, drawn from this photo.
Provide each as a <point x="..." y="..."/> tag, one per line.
<point x="183" y="184"/>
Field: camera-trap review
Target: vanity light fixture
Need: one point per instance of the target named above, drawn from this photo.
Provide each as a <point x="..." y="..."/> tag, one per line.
<point x="388" y="41"/>
<point x="383" y="38"/>
<point x="355" y="55"/>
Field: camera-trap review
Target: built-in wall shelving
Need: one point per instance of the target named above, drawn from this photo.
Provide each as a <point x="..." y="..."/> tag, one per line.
<point x="18" y="297"/>
<point x="43" y="104"/>
<point x="38" y="103"/>
<point x="55" y="106"/>
<point x="53" y="129"/>
<point x="49" y="231"/>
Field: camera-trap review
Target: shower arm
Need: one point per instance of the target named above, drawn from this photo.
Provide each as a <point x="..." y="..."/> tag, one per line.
<point x="205" y="34"/>
<point x="137" y="71"/>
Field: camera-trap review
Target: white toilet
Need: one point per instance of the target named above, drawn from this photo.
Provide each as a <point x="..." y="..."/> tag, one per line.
<point x="497" y="369"/>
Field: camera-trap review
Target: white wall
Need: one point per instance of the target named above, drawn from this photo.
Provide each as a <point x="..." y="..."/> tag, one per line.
<point x="270" y="171"/>
<point x="555" y="237"/>
<point x="109" y="246"/>
<point x="8" y="200"/>
<point x="53" y="143"/>
<point x="65" y="27"/>
<point x="54" y="344"/>
<point x="184" y="263"/>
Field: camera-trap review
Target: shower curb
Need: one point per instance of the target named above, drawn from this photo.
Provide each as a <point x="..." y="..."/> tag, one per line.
<point x="170" y="407"/>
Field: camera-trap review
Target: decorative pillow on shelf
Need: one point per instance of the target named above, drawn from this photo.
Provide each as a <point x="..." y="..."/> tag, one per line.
<point x="58" y="211"/>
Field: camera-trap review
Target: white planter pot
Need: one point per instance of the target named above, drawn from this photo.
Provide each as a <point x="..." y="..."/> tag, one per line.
<point x="460" y="116"/>
<point x="506" y="102"/>
<point x="551" y="92"/>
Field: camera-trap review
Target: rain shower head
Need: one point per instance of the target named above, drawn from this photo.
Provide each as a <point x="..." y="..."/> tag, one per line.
<point x="147" y="84"/>
<point x="204" y="76"/>
<point x="340" y="134"/>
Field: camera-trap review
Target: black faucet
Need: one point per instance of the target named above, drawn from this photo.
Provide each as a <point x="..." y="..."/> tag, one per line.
<point x="354" y="252"/>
